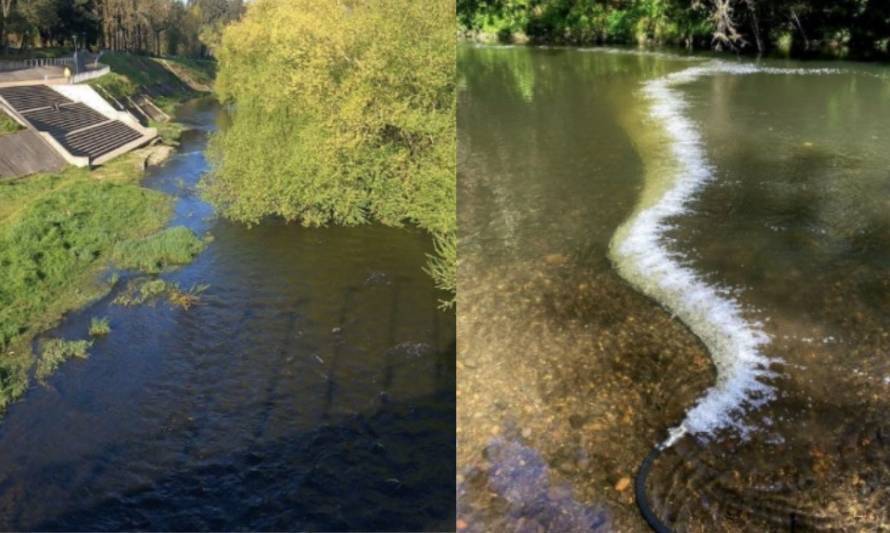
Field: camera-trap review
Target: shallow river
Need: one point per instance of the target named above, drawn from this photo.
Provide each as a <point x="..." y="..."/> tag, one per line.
<point x="654" y="241"/>
<point x="311" y="388"/>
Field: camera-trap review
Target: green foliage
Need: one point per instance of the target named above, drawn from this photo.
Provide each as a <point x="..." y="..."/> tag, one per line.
<point x="140" y="291"/>
<point x="171" y="247"/>
<point x="56" y="232"/>
<point x="14" y="367"/>
<point x="587" y="21"/>
<point x="342" y="113"/>
<point x="833" y="27"/>
<point x="170" y="81"/>
<point x="7" y="124"/>
<point x="56" y="351"/>
<point x="117" y="85"/>
<point x="146" y="290"/>
<point x="134" y="71"/>
<point x="99" y="327"/>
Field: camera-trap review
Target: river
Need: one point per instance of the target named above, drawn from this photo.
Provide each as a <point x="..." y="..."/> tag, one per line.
<point x="656" y="240"/>
<point x="308" y="389"/>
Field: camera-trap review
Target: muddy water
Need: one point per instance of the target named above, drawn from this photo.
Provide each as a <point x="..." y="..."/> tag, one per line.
<point x="574" y="360"/>
<point x="309" y="388"/>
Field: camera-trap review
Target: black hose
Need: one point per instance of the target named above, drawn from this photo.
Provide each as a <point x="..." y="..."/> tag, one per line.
<point x="640" y="492"/>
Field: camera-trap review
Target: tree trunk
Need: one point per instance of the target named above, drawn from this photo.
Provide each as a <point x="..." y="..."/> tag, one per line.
<point x="755" y="23"/>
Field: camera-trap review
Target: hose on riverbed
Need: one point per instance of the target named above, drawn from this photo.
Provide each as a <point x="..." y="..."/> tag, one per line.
<point x="640" y="482"/>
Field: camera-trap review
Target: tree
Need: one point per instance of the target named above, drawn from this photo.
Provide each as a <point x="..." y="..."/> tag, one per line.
<point x="5" y="12"/>
<point x="343" y="112"/>
<point x="159" y="17"/>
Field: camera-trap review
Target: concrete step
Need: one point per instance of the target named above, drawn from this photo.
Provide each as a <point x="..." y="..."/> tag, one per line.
<point x="30" y="97"/>
<point x="66" y="119"/>
<point x="98" y="141"/>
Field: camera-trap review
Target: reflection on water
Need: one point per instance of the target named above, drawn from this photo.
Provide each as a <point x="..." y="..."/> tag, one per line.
<point x="308" y="390"/>
<point x="555" y="149"/>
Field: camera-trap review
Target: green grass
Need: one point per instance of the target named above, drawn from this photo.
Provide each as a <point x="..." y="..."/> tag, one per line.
<point x="8" y="125"/>
<point x="202" y="71"/>
<point x="156" y="253"/>
<point x="132" y="74"/>
<point x="57" y="232"/>
<point x="99" y="327"/>
<point x="169" y="132"/>
<point x="56" y="351"/>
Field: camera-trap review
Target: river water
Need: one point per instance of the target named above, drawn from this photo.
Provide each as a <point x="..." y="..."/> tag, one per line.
<point x="311" y="388"/>
<point x="653" y="241"/>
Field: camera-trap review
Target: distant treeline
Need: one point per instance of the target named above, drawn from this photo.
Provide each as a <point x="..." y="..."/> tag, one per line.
<point x="174" y="27"/>
<point x="859" y="28"/>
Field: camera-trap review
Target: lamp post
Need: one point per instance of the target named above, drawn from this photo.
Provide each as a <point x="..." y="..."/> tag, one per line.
<point x="76" y="62"/>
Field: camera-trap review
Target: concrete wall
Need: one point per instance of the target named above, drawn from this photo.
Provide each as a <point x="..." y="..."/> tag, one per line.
<point x="26" y="152"/>
<point x="88" y="96"/>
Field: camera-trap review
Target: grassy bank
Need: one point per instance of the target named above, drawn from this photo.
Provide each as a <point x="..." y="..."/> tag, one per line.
<point x="58" y="232"/>
<point x="168" y="81"/>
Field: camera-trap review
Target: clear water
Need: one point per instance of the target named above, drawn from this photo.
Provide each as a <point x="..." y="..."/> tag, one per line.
<point x="750" y="204"/>
<point x="308" y="389"/>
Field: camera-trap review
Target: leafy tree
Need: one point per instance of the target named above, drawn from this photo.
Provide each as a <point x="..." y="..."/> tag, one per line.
<point x="858" y="27"/>
<point x="343" y="112"/>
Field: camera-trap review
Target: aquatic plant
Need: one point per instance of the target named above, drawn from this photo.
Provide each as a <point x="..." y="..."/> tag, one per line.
<point x="144" y="290"/>
<point x="99" y="327"/>
<point x="174" y="246"/>
<point x="186" y="299"/>
<point x="56" y="351"/>
<point x="140" y="291"/>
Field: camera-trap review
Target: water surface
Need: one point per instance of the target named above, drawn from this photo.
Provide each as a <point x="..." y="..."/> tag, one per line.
<point x="560" y="151"/>
<point x="309" y="388"/>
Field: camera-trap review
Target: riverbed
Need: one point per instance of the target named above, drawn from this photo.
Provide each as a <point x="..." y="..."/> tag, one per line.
<point x="307" y="389"/>
<point x="658" y="240"/>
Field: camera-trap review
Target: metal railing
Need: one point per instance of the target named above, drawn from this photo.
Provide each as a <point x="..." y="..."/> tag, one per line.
<point x="6" y="65"/>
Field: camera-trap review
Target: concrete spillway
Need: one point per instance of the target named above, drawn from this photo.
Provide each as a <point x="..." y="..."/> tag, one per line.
<point x="74" y="121"/>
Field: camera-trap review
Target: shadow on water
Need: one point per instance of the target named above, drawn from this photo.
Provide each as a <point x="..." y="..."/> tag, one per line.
<point x="311" y="387"/>
<point x="374" y="472"/>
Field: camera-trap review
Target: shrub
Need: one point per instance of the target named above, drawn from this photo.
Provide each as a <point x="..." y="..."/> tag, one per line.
<point x="342" y="113"/>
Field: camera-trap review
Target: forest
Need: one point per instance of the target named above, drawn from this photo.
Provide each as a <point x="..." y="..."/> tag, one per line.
<point x="158" y="27"/>
<point x="838" y="28"/>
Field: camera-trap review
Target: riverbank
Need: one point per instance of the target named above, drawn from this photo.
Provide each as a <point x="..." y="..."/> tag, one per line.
<point x="186" y="418"/>
<point x="60" y="232"/>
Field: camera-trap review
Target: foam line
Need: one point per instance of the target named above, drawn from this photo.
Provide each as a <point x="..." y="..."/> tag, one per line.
<point x="641" y="257"/>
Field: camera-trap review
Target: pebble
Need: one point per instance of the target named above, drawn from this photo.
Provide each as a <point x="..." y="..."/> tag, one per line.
<point x="623" y="484"/>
